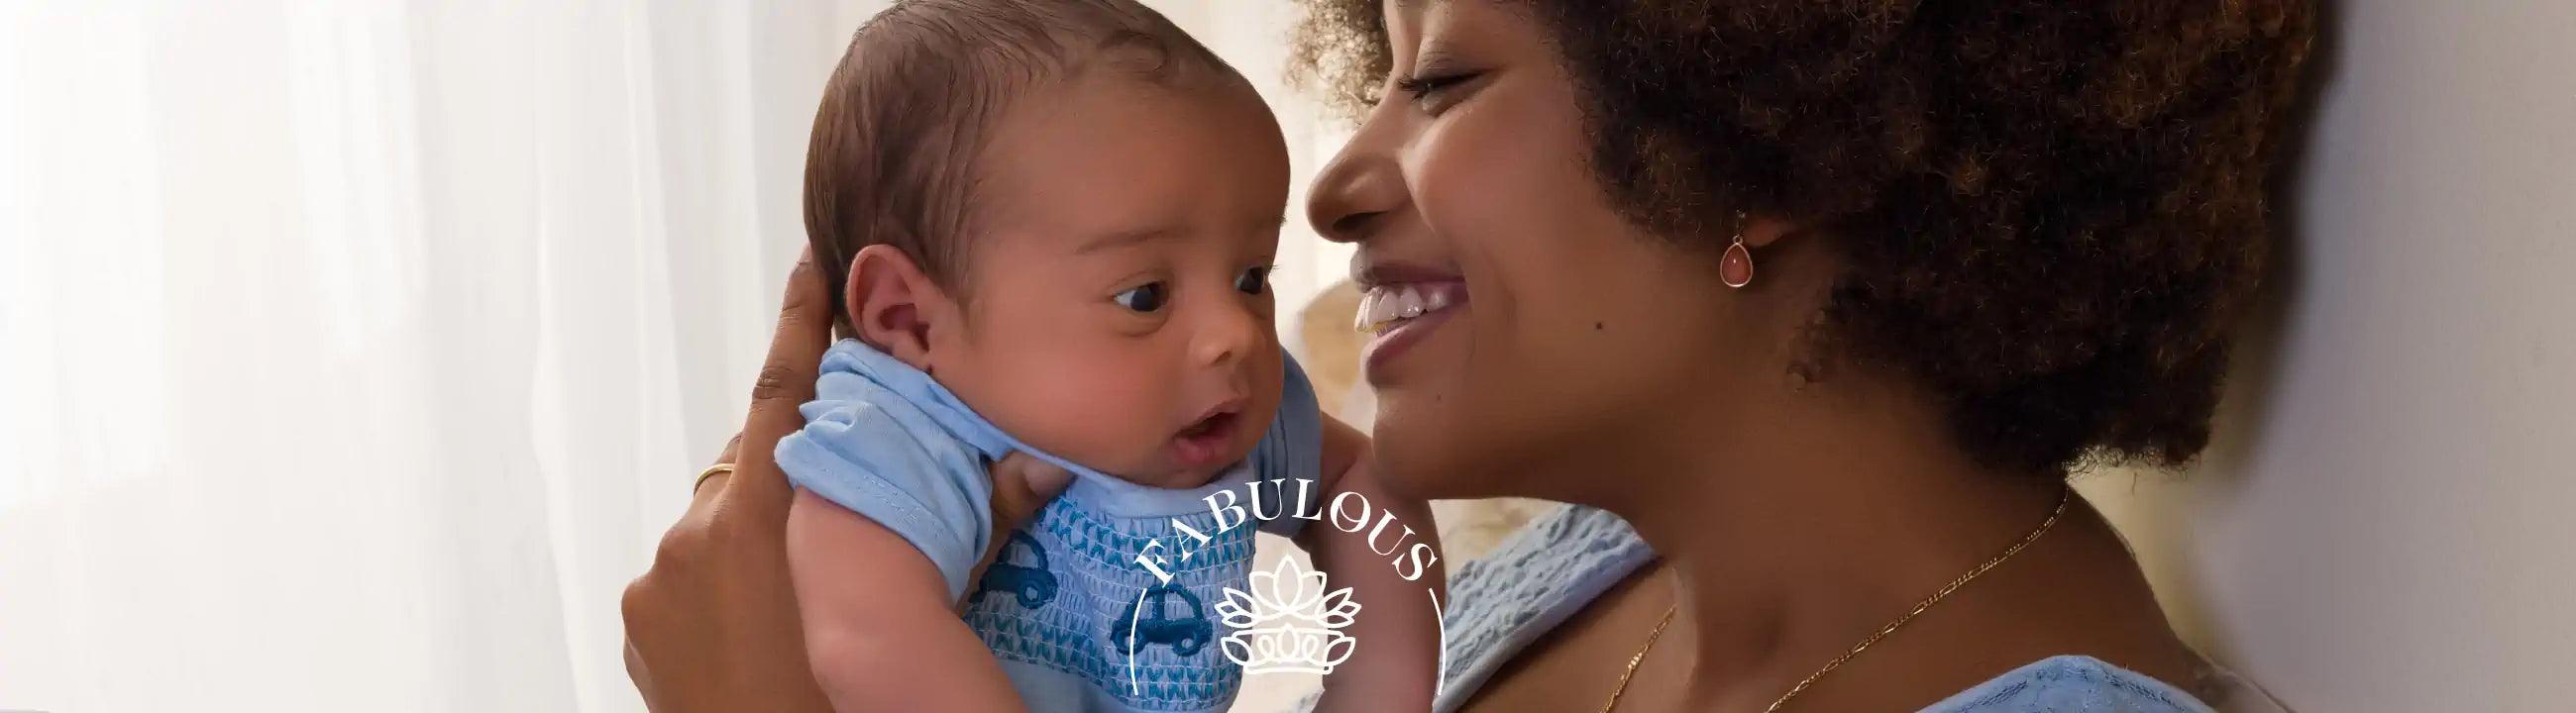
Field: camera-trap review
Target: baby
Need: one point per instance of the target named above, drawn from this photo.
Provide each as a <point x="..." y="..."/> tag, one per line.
<point x="1050" y="225"/>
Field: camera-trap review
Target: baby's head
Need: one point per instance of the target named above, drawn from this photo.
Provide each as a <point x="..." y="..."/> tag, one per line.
<point x="1066" y="211"/>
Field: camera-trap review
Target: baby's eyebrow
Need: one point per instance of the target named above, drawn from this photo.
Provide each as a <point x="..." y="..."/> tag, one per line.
<point x="1125" y="238"/>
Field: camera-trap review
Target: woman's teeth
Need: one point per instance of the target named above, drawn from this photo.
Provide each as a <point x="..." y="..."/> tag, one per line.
<point x="1388" y="305"/>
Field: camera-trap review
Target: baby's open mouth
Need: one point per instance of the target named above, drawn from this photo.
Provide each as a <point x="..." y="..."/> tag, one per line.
<point x="1211" y="426"/>
<point x="1205" y="442"/>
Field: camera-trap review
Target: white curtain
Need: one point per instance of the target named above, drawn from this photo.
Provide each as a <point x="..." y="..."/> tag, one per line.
<point x="353" y="354"/>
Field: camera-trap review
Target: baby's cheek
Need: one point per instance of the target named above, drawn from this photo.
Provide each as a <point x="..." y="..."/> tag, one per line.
<point x="1112" y="417"/>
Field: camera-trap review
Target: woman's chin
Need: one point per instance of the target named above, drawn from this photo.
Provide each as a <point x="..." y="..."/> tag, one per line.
<point x="1423" y="464"/>
<point x="1434" y="439"/>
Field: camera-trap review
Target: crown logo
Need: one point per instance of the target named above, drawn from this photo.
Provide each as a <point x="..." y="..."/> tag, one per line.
<point x="1288" y="623"/>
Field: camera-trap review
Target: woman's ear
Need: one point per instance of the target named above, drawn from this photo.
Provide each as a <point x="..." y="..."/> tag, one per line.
<point x="1759" y="231"/>
<point x="894" y="305"/>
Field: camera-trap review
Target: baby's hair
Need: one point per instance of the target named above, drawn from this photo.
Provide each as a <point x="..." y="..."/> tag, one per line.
<point x="912" y="105"/>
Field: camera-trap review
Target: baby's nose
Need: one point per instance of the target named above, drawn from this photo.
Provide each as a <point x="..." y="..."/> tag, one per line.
<point x="1229" y="334"/>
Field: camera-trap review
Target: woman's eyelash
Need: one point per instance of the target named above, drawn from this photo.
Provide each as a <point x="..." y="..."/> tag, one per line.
<point x="1418" y="86"/>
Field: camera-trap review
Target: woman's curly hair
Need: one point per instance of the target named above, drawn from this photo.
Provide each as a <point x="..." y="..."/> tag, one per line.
<point x="2052" y="212"/>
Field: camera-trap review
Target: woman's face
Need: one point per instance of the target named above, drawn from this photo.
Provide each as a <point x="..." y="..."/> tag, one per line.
<point x="1560" y="341"/>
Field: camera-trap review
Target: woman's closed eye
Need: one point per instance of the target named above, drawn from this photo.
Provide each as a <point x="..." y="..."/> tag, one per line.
<point x="1147" y="298"/>
<point x="1436" y="92"/>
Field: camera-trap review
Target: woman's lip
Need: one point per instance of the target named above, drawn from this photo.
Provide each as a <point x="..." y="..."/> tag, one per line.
<point x="1378" y="277"/>
<point x="1395" y="341"/>
<point x="1384" y="306"/>
<point x="1375" y="274"/>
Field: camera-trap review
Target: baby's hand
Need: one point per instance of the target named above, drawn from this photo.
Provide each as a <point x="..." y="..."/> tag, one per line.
<point x="1396" y="665"/>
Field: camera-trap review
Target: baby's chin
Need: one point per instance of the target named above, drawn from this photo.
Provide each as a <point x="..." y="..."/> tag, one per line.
<point x="1160" y="466"/>
<point x="1173" y="476"/>
<point x="1184" y="461"/>
<point x="1163" y="470"/>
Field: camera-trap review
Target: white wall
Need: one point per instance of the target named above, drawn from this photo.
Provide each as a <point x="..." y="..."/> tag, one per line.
<point x="2384" y="524"/>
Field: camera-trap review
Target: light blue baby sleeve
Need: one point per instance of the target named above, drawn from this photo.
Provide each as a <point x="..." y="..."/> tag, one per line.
<point x="1294" y="446"/>
<point x="885" y="441"/>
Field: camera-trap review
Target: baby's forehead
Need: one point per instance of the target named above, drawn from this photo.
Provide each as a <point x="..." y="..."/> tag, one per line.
<point x="1106" y="244"/>
<point x="1096" y="166"/>
<point x="1168" y="241"/>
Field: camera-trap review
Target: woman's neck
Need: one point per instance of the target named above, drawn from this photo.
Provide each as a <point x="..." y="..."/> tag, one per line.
<point x="1840" y="514"/>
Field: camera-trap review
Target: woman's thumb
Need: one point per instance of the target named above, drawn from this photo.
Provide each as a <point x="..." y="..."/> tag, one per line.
<point x="1021" y="486"/>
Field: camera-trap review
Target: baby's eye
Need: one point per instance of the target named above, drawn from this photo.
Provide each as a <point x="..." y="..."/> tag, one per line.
<point x="1253" y="281"/>
<point x="1146" y="298"/>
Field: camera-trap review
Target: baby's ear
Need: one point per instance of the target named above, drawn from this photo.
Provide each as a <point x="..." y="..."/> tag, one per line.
<point x="894" y="305"/>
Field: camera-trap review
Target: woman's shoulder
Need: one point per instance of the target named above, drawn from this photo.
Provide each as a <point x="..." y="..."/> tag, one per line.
<point x="1569" y="555"/>
<point x="1527" y="585"/>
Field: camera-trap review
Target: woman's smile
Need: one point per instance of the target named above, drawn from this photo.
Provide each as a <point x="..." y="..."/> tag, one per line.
<point x="1402" y="306"/>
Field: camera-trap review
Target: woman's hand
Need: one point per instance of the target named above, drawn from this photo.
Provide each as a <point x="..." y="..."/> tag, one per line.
<point x="713" y="625"/>
<point x="1021" y="486"/>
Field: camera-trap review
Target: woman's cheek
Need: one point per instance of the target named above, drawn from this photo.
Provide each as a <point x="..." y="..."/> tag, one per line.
<point x="1453" y="169"/>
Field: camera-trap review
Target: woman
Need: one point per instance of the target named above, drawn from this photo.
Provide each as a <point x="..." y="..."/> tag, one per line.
<point x="1823" y="299"/>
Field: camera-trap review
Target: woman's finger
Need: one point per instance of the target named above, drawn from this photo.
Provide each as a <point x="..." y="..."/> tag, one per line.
<point x="786" y="381"/>
<point x="1022" y="486"/>
<point x="710" y="486"/>
<point x="732" y="452"/>
<point x="712" y="626"/>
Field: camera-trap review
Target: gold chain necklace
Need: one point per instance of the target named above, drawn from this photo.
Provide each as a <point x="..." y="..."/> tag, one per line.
<point x="1640" y="657"/>
<point x="2063" y="496"/>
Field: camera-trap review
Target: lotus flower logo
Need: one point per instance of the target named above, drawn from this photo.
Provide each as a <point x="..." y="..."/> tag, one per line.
<point x="1288" y="623"/>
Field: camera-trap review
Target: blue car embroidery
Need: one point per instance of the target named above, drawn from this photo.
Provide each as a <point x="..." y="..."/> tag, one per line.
<point x="1026" y="576"/>
<point x="1167" y="615"/>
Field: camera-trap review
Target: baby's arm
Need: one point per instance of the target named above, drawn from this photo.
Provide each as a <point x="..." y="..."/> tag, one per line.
<point x="880" y="630"/>
<point x="1395" y="661"/>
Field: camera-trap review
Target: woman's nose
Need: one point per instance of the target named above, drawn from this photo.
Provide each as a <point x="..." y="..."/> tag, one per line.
<point x="1359" y="188"/>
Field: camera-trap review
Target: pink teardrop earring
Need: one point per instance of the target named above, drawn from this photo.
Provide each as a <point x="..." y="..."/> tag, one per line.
<point x="1736" y="267"/>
